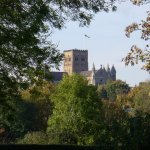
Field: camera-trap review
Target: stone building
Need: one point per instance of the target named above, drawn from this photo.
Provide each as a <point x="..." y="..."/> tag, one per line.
<point x="100" y="76"/>
<point x="75" y="61"/>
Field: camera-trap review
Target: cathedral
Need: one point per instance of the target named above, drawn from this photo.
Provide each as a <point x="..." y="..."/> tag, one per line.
<point x="76" y="61"/>
<point x="100" y="76"/>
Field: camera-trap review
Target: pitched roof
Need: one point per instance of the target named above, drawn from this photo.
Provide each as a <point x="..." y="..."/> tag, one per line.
<point x="113" y="70"/>
<point x="57" y="76"/>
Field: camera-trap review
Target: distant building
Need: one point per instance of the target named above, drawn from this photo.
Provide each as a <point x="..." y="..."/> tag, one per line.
<point x="76" y="61"/>
<point x="100" y="76"/>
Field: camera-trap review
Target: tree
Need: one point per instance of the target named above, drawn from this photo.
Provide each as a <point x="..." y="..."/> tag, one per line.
<point x="11" y="122"/>
<point x="34" y="138"/>
<point x="137" y="54"/>
<point x="116" y="125"/>
<point x="39" y="96"/>
<point x="76" y="116"/>
<point x="115" y="88"/>
<point x="11" y="110"/>
<point x="102" y="92"/>
<point x="139" y="97"/>
<point x="23" y="45"/>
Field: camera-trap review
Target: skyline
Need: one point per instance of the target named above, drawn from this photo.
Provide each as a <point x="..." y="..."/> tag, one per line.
<point x="106" y="42"/>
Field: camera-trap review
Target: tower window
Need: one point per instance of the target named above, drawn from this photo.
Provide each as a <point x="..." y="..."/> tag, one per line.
<point x="65" y="59"/>
<point x="76" y="58"/>
<point x="82" y="59"/>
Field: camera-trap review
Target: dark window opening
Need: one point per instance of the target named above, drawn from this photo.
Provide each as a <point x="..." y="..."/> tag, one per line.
<point x="76" y="58"/>
<point x="82" y="59"/>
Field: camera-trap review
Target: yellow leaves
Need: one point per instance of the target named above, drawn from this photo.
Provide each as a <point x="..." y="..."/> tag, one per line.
<point x="136" y="2"/>
<point x="136" y="54"/>
<point x="37" y="93"/>
<point x="131" y="28"/>
<point x="133" y="92"/>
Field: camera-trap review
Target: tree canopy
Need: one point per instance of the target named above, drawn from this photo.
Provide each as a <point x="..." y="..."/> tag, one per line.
<point x="139" y="97"/>
<point x="76" y="116"/>
<point x="39" y="96"/>
<point x="112" y="89"/>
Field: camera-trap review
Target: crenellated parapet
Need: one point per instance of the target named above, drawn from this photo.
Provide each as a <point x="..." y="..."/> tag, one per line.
<point x="77" y="50"/>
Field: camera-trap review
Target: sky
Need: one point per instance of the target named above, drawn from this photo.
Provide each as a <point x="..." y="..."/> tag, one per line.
<point x="107" y="43"/>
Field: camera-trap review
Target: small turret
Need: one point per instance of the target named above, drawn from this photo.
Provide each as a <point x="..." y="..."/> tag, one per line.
<point x="108" y="73"/>
<point x="108" y="69"/>
<point x="105" y="75"/>
<point x="104" y="69"/>
<point x="101" y="67"/>
<point x="113" y="73"/>
<point x="113" y="70"/>
<point x="93" y="74"/>
<point x="101" y="70"/>
<point x="104" y="72"/>
<point x="93" y="68"/>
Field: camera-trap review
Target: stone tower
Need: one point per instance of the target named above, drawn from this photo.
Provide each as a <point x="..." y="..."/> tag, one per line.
<point x="75" y="61"/>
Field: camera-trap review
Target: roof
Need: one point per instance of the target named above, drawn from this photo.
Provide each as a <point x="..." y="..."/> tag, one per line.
<point x="86" y="73"/>
<point x="57" y="76"/>
<point x="101" y="72"/>
<point x="75" y="50"/>
<point x="113" y="70"/>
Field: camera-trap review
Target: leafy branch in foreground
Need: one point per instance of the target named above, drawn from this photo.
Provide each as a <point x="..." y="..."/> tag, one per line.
<point x="137" y="54"/>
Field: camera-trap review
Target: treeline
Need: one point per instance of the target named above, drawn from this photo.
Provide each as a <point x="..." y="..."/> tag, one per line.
<point x="73" y="112"/>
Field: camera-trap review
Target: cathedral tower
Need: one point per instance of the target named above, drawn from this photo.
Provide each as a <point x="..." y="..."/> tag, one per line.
<point x="75" y="61"/>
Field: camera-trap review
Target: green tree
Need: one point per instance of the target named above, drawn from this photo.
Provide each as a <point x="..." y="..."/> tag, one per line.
<point x="115" y="88"/>
<point x="76" y="116"/>
<point x="139" y="100"/>
<point x="34" y="138"/>
<point x="11" y="110"/>
<point x="142" y="98"/>
<point x="11" y="121"/>
<point x="39" y="97"/>
<point x="116" y="125"/>
<point x="139" y="97"/>
<point x="102" y="92"/>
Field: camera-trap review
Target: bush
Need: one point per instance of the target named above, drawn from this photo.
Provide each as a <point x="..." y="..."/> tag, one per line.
<point x="34" y="138"/>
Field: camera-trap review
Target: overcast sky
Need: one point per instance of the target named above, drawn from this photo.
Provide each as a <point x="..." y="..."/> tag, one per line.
<point x="107" y="43"/>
